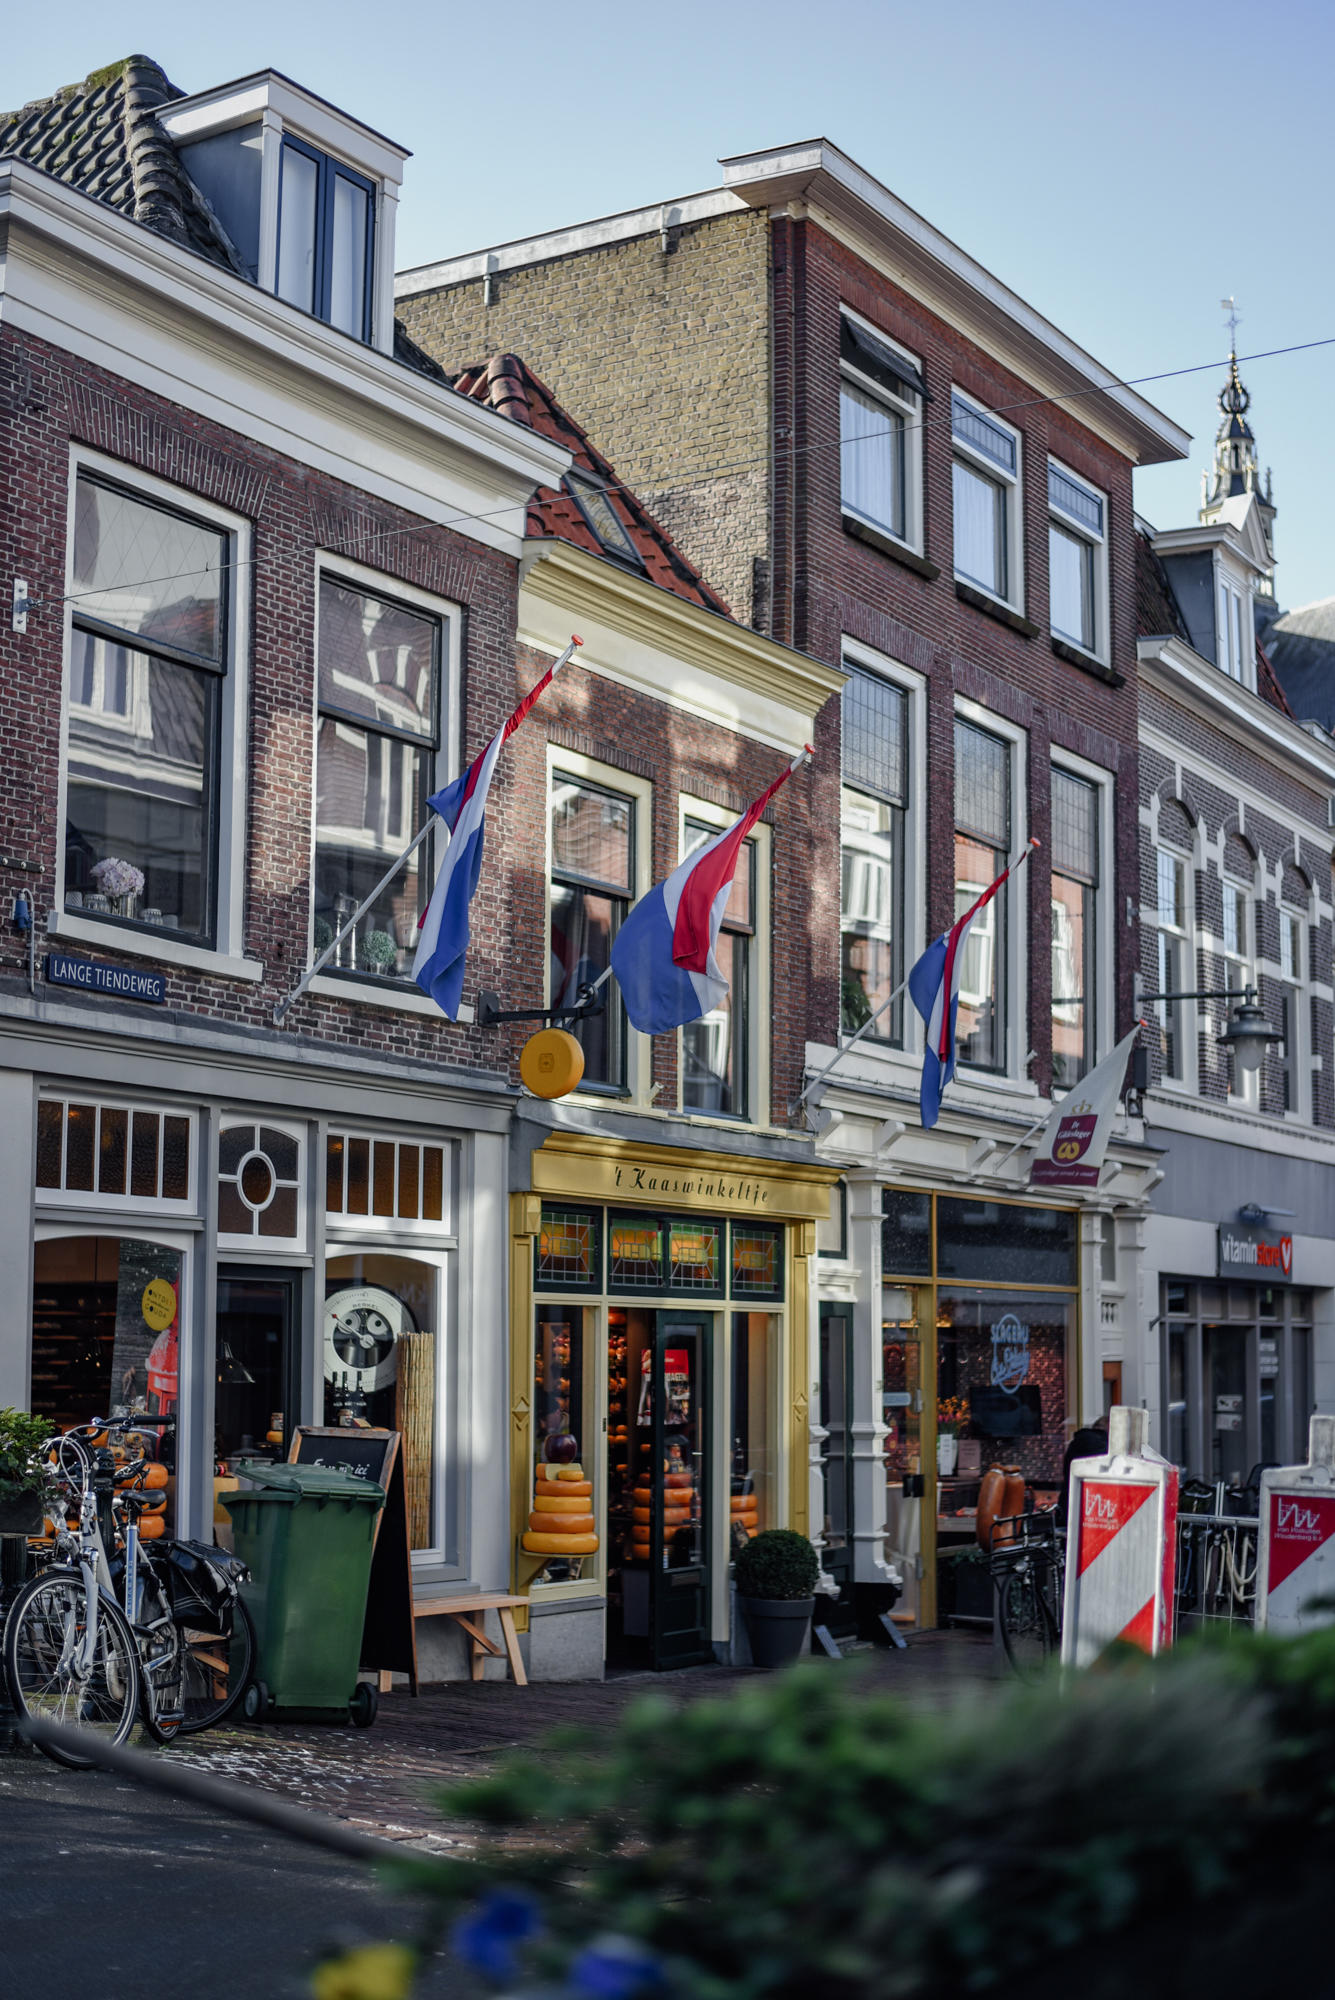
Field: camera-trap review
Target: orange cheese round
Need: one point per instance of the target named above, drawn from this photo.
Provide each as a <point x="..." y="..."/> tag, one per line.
<point x="561" y="1524"/>
<point x="559" y="1503"/>
<point x="560" y="1545"/>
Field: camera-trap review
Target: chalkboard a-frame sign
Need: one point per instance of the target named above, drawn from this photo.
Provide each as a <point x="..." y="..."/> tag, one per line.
<point x="389" y="1636"/>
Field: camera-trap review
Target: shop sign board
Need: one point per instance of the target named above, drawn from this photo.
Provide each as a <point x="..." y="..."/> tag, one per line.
<point x="1121" y="1553"/>
<point x="121" y="982"/>
<point x="1248" y="1250"/>
<point x="1295" y="1557"/>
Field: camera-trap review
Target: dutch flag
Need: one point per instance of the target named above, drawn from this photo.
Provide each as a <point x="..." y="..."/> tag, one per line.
<point x="442" y="941"/>
<point x="934" y="988"/>
<point x="664" y="956"/>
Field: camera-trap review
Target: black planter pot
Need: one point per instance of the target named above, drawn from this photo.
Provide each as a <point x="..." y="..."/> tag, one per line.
<point x="778" y="1628"/>
<point x="21" y="1514"/>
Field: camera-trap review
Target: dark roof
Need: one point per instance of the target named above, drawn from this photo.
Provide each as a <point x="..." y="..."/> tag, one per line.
<point x="509" y="385"/>
<point x="1157" y="613"/>
<point x="102" y="137"/>
<point x="1301" y="649"/>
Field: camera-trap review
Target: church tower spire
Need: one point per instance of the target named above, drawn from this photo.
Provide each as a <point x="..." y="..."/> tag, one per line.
<point x="1236" y="471"/>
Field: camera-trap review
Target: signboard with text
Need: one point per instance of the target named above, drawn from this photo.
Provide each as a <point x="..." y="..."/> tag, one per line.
<point x="1248" y="1250"/>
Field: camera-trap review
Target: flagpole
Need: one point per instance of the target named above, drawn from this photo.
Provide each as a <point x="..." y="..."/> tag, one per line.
<point x="284" y="1006"/>
<point x="856" y="1037"/>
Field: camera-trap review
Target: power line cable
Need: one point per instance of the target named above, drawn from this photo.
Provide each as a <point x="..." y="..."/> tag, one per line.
<point x="714" y="472"/>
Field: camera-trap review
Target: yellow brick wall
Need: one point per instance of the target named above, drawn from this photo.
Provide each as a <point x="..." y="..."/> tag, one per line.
<point x="664" y="359"/>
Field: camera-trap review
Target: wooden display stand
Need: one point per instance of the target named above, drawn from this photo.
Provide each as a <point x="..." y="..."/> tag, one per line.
<point x="389" y="1636"/>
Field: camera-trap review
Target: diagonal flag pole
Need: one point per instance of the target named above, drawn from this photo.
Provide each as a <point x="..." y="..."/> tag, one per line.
<point x="871" y="1020"/>
<point x="284" y="1006"/>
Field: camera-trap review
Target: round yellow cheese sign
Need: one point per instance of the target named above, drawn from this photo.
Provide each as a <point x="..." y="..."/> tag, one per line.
<point x="158" y="1304"/>
<point x="551" y="1062"/>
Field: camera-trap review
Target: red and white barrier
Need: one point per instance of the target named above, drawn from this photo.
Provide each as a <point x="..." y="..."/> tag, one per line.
<point x="1122" y="1545"/>
<point x="1296" y="1557"/>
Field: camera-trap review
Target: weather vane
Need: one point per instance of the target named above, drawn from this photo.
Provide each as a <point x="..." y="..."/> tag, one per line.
<point x="1234" y="321"/>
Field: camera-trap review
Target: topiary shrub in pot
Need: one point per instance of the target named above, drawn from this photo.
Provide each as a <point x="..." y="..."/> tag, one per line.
<point x="776" y="1576"/>
<point x="22" y="1471"/>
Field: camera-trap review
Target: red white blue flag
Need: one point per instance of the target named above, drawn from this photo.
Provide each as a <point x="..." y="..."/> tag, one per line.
<point x="664" y="956"/>
<point x="442" y="941"/>
<point x="934" y="988"/>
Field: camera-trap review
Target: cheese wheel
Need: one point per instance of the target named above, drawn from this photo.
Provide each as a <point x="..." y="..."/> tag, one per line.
<point x="673" y="1517"/>
<point x="562" y="1524"/>
<point x="678" y="1479"/>
<point x="560" y="1545"/>
<point x="560" y="1503"/>
<point x="151" y="1526"/>
<point x="566" y="1489"/>
<point x="569" y="1471"/>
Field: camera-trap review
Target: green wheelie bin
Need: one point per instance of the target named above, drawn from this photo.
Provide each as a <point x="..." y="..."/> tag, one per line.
<point x="306" y="1533"/>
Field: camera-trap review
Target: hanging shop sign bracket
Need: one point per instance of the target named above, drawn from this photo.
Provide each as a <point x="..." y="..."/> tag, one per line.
<point x="589" y="1000"/>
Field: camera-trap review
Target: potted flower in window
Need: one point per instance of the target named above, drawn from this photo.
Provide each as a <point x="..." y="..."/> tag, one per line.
<point x="22" y="1471"/>
<point x="120" y="882"/>
<point x="952" y="1414"/>
<point x="776" y="1576"/>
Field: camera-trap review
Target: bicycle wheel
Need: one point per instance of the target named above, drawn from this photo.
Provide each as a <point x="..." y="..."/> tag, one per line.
<point x="161" y="1671"/>
<point x="1028" y="1632"/>
<point x="218" y="1667"/>
<point x="42" y="1637"/>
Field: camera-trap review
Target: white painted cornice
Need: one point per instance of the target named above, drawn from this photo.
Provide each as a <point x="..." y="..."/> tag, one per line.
<point x="1173" y="1111"/>
<point x="87" y="279"/>
<point x="650" y="639"/>
<point x="1179" y="671"/>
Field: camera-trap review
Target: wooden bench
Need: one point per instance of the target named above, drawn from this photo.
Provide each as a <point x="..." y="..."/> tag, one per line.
<point x="466" y="1607"/>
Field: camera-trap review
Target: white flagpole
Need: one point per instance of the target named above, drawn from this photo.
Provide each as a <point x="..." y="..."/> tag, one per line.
<point x="283" y="1007"/>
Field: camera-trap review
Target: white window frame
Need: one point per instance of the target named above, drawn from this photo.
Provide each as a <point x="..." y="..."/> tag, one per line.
<point x="1015" y="1070"/>
<point x="1098" y="543"/>
<point x="915" y="830"/>
<point x="760" y="997"/>
<point x="1103" y="998"/>
<point x="1185" y="981"/>
<point x="227" y="955"/>
<point x="914" y="418"/>
<point x="1011" y="484"/>
<point x="639" y="1048"/>
<point x="340" y="1223"/>
<point x="1244" y="1086"/>
<point x="129" y="1206"/>
<point x="1297" y="992"/>
<point x="1235" y="646"/>
<point x="256" y="1245"/>
<point x="395" y="997"/>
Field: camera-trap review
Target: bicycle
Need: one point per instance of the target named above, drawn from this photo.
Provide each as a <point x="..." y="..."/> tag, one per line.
<point x="1028" y="1566"/>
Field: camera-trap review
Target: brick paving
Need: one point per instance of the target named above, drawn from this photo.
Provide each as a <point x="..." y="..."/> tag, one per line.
<point x="383" y="1779"/>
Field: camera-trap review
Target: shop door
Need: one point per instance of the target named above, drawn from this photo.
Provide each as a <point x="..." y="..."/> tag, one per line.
<point x="679" y="1493"/>
<point x="255" y="1351"/>
<point x="1230" y="1413"/>
<point x="836" y="1420"/>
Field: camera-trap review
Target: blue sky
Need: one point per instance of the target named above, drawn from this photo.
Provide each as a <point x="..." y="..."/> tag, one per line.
<point x="1122" y="168"/>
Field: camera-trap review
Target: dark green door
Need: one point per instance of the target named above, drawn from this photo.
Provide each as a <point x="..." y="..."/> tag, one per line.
<point x="836" y="1420"/>
<point x="679" y="1534"/>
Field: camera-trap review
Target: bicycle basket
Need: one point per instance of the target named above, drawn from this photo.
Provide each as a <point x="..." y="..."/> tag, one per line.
<point x="202" y="1582"/>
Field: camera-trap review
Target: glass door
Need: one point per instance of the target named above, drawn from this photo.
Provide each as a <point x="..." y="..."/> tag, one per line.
<point x="836" y="1417"/>
<point x="908" y="1413"/>
<point x="254" y="1404"/>
<point x="678" y="1490"/>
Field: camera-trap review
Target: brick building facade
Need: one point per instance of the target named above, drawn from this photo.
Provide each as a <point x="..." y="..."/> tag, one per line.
<point x="768" y="333"/>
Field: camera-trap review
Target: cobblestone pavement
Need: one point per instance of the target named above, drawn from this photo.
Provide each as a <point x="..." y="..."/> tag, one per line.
<point x="383" y="1779"/>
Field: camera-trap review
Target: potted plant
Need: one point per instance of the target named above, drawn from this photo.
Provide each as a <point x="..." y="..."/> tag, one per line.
<point x="952" y="1414"/>
<point x="776" y="1576"/>
<point x="22" y="1472"/>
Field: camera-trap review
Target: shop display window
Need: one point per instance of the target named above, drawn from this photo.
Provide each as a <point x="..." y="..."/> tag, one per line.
<point x="1005" y="1243"/>
<point x="399" y="1180"/>
<point x="751" y="1482"/>
<point x="106" y="1334"/>
<point x="254" y="1394"/>
<point x="259" y="1183"/>
<point x="563" y="1424"/>
<point x="906" y="1234"/>
<point x="383" y="1363"/>
<point x="1237" y="1372"/>
<point x="116" y="1151"/>
<point x="1002" y="1357"/>
<point x="757" y="1262"/>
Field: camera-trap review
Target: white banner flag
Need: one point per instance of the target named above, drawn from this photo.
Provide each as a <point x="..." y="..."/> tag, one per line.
<point x="1075" y="1138"/>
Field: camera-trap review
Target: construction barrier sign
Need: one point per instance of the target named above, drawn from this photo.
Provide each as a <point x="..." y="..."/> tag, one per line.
<point x="1122" y="1546"/>
<point x="1295" y="1567"/>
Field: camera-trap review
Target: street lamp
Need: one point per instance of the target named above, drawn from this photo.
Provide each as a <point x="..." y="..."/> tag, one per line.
<point x="1248" y="1033"/>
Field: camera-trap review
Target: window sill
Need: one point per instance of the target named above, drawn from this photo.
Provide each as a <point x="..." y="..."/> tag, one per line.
<point x="897" y="551"/>
<point x="992" y="607"/>
<point x="164" y="949"/>
<point x="398" y="999"/>
<point x="1076" y="656"/>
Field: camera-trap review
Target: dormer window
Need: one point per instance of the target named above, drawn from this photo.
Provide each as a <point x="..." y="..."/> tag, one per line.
<point x="326" y="225"/>
<point x="1235" y="646"/>
<point x="595" y="504"/>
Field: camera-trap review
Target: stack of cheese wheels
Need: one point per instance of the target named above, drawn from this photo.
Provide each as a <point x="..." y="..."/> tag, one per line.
<point x="677" y="1489"/>
<point x="561" y="1523"/>
<point x="746" y="1512"/>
